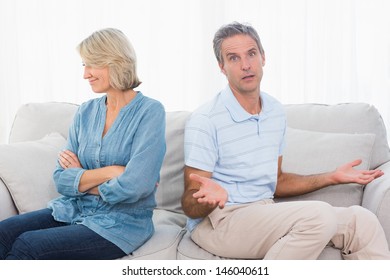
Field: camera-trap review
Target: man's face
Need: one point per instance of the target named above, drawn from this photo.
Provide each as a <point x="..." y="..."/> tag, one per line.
<point x="242" y="64"/>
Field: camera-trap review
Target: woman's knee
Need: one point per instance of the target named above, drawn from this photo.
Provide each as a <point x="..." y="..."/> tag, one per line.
<point x="24" y="248"/>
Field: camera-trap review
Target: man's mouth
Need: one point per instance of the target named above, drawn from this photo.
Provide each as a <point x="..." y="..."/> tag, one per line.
<point x="247" y="77"/>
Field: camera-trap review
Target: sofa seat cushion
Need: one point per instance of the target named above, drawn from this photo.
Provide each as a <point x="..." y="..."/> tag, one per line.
<point x="330" y="253"/>
<point x="311" y="152"/>
<point x="169" y="229"/>
<point x="189" y="250"/>
<point x="26" y="169"/>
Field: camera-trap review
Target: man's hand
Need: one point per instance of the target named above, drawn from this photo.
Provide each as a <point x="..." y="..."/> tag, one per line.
<point x="290" y="184"/>
<point x="209" y="193"/>
<point x="347" y="174"/>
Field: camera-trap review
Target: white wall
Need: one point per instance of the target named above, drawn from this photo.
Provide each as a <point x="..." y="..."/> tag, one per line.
<point x="322" y="51"/>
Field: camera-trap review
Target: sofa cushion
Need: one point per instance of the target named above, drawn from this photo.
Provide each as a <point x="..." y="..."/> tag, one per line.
<point x="169" y="229"/>
<point x="26" y="169"/>
<point x="171" y="185"/>
<point x="350" y="118"/>
<point x="35" y="120"/>
<point x="189" y="250"/>
<point x="310" y="152"/>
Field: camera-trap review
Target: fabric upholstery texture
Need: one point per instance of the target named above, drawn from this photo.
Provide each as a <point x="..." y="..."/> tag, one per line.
<point x="170" y="189"/>
<point x="35" y="120"/>
<point x="27" y="168"/>
<point x="352" y="118"/>
<point x="319" y="138"/>
<point x="311" y="152"/>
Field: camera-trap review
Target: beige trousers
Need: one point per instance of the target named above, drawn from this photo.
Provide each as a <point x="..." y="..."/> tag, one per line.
<point x="291" y="230"/>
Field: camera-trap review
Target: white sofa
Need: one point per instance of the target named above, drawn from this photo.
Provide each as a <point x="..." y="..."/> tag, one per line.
<point x="319" y="138"/>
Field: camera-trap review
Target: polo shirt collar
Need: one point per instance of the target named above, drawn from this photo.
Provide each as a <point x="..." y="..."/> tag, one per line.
<point x="236" y="111"/>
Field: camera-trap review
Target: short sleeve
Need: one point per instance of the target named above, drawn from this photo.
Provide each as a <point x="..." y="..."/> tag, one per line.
<point x="200" y="143"/>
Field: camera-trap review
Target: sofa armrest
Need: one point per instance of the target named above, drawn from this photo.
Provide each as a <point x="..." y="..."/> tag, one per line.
<point x="376" y="198"/>
<point x="7" y="206"/>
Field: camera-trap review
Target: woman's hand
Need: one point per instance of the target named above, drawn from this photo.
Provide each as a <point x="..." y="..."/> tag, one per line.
<point x="91" y="179"/>
<point x="68" y="159"/>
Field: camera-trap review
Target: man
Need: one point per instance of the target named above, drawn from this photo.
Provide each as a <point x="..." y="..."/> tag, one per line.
<point x="233" y="156"/>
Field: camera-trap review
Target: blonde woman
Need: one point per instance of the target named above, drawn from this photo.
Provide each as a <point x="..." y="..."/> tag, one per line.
<point x="108" y="173"/>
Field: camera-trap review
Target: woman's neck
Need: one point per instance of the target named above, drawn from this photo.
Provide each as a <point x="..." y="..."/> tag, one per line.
<point x="116" y="100"/>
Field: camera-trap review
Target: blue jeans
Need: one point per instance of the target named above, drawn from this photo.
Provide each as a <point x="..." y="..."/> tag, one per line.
<point x="36" y="235"/>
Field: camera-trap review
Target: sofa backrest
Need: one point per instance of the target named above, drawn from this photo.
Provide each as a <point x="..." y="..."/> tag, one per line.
<point x="35" y="120"/>
<point x="171" y="185"/>
<point x="351" y="118"/>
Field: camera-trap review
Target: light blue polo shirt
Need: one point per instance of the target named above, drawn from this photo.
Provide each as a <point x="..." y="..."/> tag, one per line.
<point x="241" y="150"/>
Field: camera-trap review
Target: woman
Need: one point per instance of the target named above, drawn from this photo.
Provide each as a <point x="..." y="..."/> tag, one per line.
<point x="107" y="175"/>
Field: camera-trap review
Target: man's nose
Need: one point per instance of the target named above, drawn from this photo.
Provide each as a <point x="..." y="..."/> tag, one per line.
<point x="245" y="64"/>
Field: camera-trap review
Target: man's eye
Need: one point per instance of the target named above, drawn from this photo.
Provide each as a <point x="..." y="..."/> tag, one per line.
<point x="233" y="58"/>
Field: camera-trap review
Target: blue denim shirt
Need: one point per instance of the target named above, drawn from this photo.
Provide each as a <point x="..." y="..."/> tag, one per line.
<point x="123" y="212"/>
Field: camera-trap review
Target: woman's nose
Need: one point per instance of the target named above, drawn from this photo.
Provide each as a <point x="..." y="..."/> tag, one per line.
<point x="87" y="72"/>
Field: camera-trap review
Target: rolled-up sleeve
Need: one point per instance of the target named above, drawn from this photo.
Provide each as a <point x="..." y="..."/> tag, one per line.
<point x="67" y="180"/>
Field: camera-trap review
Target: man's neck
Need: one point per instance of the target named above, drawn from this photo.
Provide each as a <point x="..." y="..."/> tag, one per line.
<point x="250" y="102"/>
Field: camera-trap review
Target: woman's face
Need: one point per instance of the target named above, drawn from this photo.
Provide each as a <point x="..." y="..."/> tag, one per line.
<point x="98" y="78"/>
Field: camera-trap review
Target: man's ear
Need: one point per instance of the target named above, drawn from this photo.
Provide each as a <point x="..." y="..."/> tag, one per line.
<point x="222" y="68"/>
<point x="263" y="59"/>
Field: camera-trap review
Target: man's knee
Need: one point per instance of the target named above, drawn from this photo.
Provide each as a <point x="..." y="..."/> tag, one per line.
<point x="323" y="219"/>
<point x="361" y="212"/>
<point x="361" y="217"/>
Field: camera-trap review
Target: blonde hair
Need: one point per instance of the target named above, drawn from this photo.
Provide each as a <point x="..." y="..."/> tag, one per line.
<point x="110" y="48"/>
